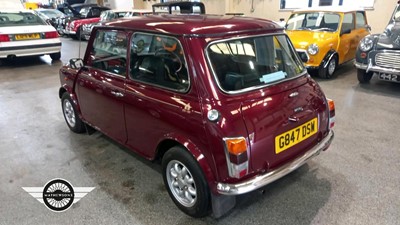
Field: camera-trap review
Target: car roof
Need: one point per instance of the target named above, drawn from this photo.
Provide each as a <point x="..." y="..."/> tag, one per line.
<point x="329" y="9"/>
<point x="196" y="25"/>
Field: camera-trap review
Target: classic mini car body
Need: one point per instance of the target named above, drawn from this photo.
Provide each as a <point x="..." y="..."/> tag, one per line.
<point x="326" y="37"/>
<point x="227" y="109"/>
<point x="380" y="53"/>
<point x="87" y="15"/>
<point x="23" y="33"/>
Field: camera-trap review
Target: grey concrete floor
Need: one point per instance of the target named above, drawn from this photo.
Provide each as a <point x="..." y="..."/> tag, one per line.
<point x="357" y="181"/>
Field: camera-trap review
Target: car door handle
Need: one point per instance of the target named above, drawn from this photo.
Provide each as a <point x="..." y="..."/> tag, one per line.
<point x="117" y="94"/>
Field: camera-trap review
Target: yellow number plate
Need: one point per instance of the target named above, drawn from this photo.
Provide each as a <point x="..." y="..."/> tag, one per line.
<point x="26" y="36"/>
<point x="296" y="135"/>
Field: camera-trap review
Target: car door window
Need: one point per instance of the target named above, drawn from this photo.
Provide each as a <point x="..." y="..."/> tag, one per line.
<point x="348" y="22"/>
<point x="95" y="12"/>
<point x="158" y="60"/>
<point x="109" y="51"/>
<point x="360" y="20"/>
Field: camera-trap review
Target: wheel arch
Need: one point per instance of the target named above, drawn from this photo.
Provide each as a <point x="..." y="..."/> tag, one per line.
<point x="66" y="89"/>
<point x="197" y="154"/>
<point x="329" y="55"/>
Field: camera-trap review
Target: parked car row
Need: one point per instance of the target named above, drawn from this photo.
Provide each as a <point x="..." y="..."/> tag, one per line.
<point x="107" y="16"/>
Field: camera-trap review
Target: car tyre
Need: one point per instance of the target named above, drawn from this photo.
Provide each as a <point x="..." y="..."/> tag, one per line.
<point x="364" y="76"/>
<point x="71" y="117"/>
<point x="185" y="182"/>
<point x="327" y="73"/>
<point x="55" y="56"/>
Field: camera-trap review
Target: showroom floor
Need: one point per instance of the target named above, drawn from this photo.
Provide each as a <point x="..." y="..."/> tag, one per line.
<point x="355" y="182"/>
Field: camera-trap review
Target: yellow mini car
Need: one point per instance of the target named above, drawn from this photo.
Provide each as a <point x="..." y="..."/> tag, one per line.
<point x="326" y="37"/>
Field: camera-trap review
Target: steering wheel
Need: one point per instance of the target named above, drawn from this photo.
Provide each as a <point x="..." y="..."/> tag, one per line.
<point x="175" y="58"/>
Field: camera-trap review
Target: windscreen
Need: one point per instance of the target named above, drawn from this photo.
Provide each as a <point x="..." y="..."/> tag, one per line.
<point x="316" y="21"/>
<point x="253" y="62"/>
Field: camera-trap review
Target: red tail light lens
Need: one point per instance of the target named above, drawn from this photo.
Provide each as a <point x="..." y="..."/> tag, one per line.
<point x="236" y="156"/>
<point x="52" y="34"/>
<point x="331" y="105"/>
<point x="4" y="38"/>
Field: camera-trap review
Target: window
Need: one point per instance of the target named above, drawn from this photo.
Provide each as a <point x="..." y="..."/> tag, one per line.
<point x="360" y="20"/>
<point x="348" y="22"/>
<point x="325" y="2"/>
<point x="158" y="60"/>
<point x="297" y="4"/>
<point x="109" y="51"/>
<point x="253" y="62"/>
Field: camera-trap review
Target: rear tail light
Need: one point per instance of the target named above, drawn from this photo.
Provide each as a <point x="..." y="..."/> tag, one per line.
<point x="236" y="156"/>
<point x="52" y="34"/>
<point x="4" y="38"/>
<point x="331" y="105"/>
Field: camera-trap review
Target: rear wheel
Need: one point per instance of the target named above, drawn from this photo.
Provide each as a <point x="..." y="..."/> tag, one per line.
<point x="185" y="182"/>
<point x="363" y="76"/>
<point x="327" y="73"/>
<point x="72" y="119"/>
<point x="55" y="56"/>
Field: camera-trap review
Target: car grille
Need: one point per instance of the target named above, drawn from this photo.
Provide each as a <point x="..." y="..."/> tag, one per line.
<point x="388" y="60"/>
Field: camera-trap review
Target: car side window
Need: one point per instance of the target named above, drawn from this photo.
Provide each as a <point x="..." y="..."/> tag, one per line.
<point x="109" y="51"/>
<point x="360" y="20"/>
<point x="348" y="22"/>
<point x="158" y="60"/>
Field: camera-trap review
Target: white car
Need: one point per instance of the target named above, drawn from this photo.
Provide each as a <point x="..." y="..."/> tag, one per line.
<point x="23" y="33"/>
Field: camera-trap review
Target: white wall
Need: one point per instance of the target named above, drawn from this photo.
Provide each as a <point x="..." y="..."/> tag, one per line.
<point x="378" y="17"/>
<point x="118" y="4"/>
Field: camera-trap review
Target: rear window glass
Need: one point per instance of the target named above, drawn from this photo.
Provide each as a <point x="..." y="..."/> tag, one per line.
<point x="253" y="62"/>
<point x="20" y="19"/>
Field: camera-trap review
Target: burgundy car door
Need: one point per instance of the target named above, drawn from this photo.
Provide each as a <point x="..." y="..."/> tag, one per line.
<point x="159" y="104"/>
<point x="101" y="84"/>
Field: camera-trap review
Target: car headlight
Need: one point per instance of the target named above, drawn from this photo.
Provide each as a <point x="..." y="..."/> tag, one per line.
<point x="366" y="44"/>
<point x="313" y="49"/>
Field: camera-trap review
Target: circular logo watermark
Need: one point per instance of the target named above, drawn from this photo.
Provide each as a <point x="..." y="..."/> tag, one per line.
<point x="58" y="195"/>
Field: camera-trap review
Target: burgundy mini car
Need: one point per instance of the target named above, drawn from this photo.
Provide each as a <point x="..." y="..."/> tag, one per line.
<point x="224" y="102"/>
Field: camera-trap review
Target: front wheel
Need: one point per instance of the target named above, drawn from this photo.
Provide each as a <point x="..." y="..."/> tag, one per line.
<point x="185" y="182"/>
<point x="329" y="70"/>
<point x="363" y="76"/>
<point x="72" y="119"/>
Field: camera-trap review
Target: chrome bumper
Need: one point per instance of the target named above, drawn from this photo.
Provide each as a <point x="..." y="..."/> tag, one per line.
<point x="377" y="69"/>
<point x="262" y="180"/>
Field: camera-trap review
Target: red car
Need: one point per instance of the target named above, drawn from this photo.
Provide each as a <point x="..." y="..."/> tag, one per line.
<point x="88" y="14"/>
<point x="224" y="102"/>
